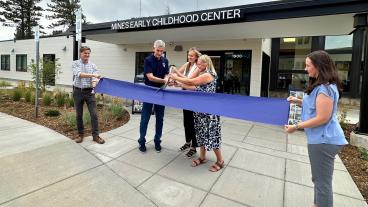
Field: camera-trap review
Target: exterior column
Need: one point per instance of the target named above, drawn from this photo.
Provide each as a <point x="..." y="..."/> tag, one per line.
<point x="363" y="117"/>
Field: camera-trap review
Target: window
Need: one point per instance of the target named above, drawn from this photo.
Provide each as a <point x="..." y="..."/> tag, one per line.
<point x="291" y="74"/>
<point x="49" y="69"/>
<point x="293" y="52"/>
<point x="21" y="63"/>
<point x="340" y="49"/>
<point x="139" y="64"/>
<point x="5" y="62"/>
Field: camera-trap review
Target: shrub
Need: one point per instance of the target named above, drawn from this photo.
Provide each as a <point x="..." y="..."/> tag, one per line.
<point x="52" y="112"/>
<point x="31" y="85"/>
<point x="4" y="84"/>
<point x="28" y="96"/>
<point x="98" y="98"/>
<point x="60" y="99"/>
<point x="17" y="95"/>
<point x="70" y="119"/>
<point x="342" y="114"/>
<point x="71" y="102"/>
<point x="86" y="119"/>
<point x="33" y="99"/>
<point x="21" y="84"/>
<point x="364" y="153"/>
<point x="106" y="116"/>
<point x="47" y="99"/>
<point x="116" y="110"/>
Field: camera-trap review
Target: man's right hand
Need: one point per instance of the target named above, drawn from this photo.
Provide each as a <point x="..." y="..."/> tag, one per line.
<point x="97" y="76"/>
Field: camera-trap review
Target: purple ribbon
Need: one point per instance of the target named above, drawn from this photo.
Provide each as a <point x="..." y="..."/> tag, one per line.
<point x="257" y="109"/>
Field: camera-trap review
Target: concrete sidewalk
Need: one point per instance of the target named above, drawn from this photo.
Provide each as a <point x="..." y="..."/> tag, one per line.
<point x="264" y="167"/>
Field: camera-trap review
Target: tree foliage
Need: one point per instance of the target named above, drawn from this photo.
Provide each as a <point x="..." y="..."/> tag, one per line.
<point x="25" y="13"/>
<point x="63" y="12"/>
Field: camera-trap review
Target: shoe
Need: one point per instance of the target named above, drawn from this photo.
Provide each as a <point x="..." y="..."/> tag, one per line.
<point x="79" y="139"/>
<point x="158" y="147"/>
<point x="142" y="148"/>
<point x="191" y="152"/>
<point x="184" y="147"/>
<point x="98" y="139"/>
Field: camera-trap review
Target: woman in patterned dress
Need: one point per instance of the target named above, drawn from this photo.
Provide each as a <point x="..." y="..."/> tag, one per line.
<point x="207" y="126"/>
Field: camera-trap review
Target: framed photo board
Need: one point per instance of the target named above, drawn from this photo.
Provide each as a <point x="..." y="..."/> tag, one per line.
<point x="295" y="111"/>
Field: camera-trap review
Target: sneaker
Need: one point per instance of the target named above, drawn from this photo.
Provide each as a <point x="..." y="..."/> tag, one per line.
<point x="158" y="147"/>
<point x="142" y="148"/>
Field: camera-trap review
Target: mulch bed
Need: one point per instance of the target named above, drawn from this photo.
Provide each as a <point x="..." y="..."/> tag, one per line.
<point x="355" y="164"/>
<point x="26" y="111"/>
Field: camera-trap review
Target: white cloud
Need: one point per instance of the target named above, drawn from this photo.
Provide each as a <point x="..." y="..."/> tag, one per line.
<point x="98" y="11"/>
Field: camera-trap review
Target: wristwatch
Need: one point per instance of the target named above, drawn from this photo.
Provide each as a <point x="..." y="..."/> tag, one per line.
<point x="296" y="126"/>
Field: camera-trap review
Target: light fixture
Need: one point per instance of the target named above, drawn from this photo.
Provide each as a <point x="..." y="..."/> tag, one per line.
<point x="12" y="50"/>
<point x="178" y="48"/>
<point x="64" y="49"/>
<point x="288" y="39"/>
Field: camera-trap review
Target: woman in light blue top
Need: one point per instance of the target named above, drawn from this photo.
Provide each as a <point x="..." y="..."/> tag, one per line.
<point x="319" y="121"/>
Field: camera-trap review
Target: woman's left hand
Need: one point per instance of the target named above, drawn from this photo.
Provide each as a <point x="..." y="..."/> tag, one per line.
<point x="173" y="76"/>
<point x="290" y="128"/>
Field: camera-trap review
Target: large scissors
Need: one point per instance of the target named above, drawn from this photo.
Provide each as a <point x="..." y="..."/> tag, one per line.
<point x="172" y="70"/>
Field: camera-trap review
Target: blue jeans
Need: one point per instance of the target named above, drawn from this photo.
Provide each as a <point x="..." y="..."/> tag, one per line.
<point x="145" y="117"/>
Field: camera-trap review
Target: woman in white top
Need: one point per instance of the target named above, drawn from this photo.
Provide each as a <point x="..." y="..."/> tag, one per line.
<point x="189" y="70"/>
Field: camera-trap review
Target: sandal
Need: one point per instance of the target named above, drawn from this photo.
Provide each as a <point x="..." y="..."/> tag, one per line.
<point x="198" y="161"/>
<point x="184" y="147"/>
<point x="191" y="152"/>
<point x="217" y="166"/>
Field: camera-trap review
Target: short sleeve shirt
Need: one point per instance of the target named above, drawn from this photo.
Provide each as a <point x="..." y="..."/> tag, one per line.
<point x="330" y="132"/>
<point x="158" y="67"/>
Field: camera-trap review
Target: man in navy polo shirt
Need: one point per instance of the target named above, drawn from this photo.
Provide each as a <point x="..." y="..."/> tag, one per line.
<point x="156" y="68"/>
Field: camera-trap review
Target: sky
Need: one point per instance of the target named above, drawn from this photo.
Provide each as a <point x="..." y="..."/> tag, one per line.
<point x="98" y="11"/>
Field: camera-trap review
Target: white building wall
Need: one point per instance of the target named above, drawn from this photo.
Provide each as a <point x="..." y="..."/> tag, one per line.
<point x="54" y="45"/>
<point x="266" y="46"/>
<point x="113" y="61"/>
<point x="118" y="61"/>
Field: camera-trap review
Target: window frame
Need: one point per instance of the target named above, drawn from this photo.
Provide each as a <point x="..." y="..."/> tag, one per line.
<point x="7" y="63"/>
<point x="22" y="63"/>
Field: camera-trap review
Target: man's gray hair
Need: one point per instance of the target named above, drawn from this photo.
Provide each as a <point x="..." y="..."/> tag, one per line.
<point x="158" y="43"/>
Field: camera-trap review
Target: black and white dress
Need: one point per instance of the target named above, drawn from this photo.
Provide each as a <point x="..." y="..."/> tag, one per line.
<point x="207" y="126"/>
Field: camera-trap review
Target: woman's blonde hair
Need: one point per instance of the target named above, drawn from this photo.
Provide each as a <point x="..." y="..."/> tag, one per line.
<point x="206" y="59"/>
<point x="196" y="52"/>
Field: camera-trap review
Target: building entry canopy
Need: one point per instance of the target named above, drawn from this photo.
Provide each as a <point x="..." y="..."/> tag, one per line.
<point x="264" y="20"/>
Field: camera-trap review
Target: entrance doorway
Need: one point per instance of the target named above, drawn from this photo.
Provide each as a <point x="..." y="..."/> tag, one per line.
<point x="233" y="70"/>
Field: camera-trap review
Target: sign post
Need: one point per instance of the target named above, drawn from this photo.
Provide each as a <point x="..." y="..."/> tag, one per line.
<point x="37" y="39"/>
<point x="78" y="28"/>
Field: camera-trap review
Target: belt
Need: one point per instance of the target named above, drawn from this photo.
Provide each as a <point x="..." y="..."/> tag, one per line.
<point x="82" y="89"/>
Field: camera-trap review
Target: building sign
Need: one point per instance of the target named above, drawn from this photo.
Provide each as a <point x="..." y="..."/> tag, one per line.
<point x="36" y="30"/>
<point x="206" y="16"/>
<point x="78" y="25"/>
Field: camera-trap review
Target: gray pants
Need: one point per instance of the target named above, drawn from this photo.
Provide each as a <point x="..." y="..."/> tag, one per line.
<point x="322" y="157"/>
<point x="81" y="96"/>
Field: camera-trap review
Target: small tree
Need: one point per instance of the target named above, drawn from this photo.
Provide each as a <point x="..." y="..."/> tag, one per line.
<point x="49" y="70"/>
